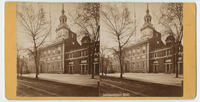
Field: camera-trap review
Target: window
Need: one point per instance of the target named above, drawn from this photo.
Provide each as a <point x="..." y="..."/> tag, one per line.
<point x="138" y="50"/>
<point x="53" y="52"/>
<point x="169" y="52"/>
<point x="155" y="55"/>
<point x="129" y="52"/>
<point x="58" y="51"/>
<point x="83" y="53"/>
<point x="133" y="52"/>
<point x="143" y="64"/>
<point x="67" y="56"/>
<point x="133" y="65"/>
<point x="157" y="42"/>
<point x="71" y="69"/>
<point x="72" y="55"/>
<point x="143" y="47"/>
<point x="59" y="48"/>
<point x="143" y="51"/>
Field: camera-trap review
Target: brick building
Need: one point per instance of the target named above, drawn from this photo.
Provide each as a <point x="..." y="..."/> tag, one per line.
<point x="66" y="55"/>
<point x="150" y="54"/>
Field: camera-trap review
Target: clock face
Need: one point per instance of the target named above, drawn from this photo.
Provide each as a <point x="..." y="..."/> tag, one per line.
<point x="63" y="34"/>
<point x="148" y="32"/>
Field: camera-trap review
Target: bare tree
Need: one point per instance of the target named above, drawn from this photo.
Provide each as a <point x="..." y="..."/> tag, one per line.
<point x="172" y="19"/>
<point x="121" y="26"/>
<point x="87" y="18"/>
<point x="37" y="27"/>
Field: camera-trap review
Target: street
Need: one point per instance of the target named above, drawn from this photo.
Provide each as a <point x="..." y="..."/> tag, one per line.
<point x="110" y="86"/>
<point x="30" y="87"/>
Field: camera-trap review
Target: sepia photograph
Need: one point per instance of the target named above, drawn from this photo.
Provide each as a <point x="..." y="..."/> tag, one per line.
<point x="141" y="49"/>
<point x="57" y="49"/>
<point x="99" y="49"/>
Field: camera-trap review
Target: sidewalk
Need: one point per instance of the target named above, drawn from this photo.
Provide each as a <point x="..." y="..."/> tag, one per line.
<point x="76" y="79"/>
<point x="160" y="78"/>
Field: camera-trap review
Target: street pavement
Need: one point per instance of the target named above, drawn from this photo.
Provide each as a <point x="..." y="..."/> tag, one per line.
<point x="75" y="79"/>
<point x="30" y="87"/>
<point x="159" y="78"/>
<point x="133" y="84"/>
<point x="111" y="86"/>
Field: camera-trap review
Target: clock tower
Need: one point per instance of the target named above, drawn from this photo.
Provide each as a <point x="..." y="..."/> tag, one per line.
<point x="62" y="30"/>
<point x="147" y="29"/>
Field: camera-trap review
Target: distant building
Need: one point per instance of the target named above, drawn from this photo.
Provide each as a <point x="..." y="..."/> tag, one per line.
<point x="150" y="54"/>
<point x="66" y="55"/>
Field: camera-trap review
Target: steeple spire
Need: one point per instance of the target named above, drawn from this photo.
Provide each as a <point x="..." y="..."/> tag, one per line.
<point x="147" y="11"/>
<point x="63" y="17"/>
<point x="147" y="17"/>
<point x="63" y="11"/>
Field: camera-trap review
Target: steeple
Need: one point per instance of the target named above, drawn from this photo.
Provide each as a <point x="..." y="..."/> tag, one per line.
<point x="63" y="17"/>
<point x="62" y="29"/>
<point x="147" y="17"/>
<point x="147" y="29"/>
<point x="63" y="11"/>
<point x="147" y="11"/>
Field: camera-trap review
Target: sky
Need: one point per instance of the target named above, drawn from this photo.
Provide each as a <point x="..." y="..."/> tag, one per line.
<point x="54" y="9"/>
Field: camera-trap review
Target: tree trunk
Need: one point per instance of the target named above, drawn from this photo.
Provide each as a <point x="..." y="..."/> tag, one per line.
<point x="36" y="66"/>
<point x="120" y="62"/>
<point x="121" y="70"/>
<point x="91" y="59"/>
<point x="102" y="66"/>
<point x="36" y="63"/>
<point x="21" y="68"/>
<point x="176" y="59"/>
<point x="92" y="63"/>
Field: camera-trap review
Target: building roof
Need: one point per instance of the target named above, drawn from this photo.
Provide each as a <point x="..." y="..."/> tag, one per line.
<point x="170" y="37"/>
<point x="85" y="38"/>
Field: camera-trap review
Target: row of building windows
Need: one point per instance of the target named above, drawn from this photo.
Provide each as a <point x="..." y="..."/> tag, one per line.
<point x="51" y="67"/>
<point x="135" y="65"/>
<point x="51" y="52"/>
<point x="53" y="58"/>
<point x="135" y="51"/>
<point x="77" y="54"/>
<point x="83" y="70"/>
<point x="161" y="53"/>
